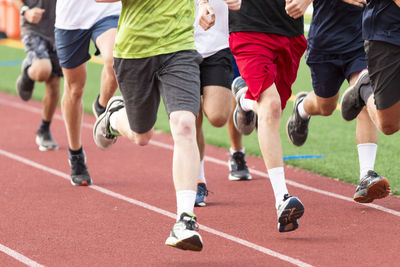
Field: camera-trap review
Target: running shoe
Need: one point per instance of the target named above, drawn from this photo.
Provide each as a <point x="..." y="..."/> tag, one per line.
<point x="102" y="135"/>
<point x="184" y="234"/>
<point x="25" y="84"/>
<point x="372" y="186"/>
<point x="79" y="172"/>
<point x="245" y="121"/>
<point x="351" y="103"/>
<point x="297" y="127"/>
<point x="238" y="167"/>
<point x="201" y="195"/>
<point x="45" y="141"/>
<point x="289" y="210"/>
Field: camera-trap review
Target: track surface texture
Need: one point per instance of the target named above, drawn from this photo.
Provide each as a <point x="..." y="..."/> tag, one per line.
<point x="125" y="217"/>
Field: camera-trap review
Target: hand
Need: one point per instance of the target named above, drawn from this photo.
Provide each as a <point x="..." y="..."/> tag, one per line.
<point x="360" y="3"/>
<point x="34" y="15"/>
<point x="234" y="4"/>
<point x="207" y="16"/>
<point x="397" y="2"/>
<point x="296" y="8"/>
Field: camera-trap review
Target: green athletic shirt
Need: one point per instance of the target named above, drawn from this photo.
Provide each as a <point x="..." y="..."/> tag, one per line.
<point x="153" y="27"/>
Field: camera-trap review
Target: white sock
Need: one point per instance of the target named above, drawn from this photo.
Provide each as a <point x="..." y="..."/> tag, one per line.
<point x="185" y="202"/>
<point x="246" y="104"/>
<point x="113" y="121"/>
<point x="277" y="178"/>
<point x="302" y="112"/>
<point x="231" y="151"/>
<point x="202" y="177"/>
<point x="366" y="157"/>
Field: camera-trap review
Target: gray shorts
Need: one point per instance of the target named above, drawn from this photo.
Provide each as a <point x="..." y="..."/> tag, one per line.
<point x="38" y="48"/>
<point x="175" y="77"/>
<point x="384" y="72"/>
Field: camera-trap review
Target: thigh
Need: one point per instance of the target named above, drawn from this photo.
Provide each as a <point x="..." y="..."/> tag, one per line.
<point x="217" y="70"/>
<point x="35" y="48"/>
<point x="179" y="81"/>
<point x="138" y="86"/>
<point x="384" y="71"/>
<point x="72" y="47"/>
<point x="103" y="35"/>
<point x="326" y="74"/>
<point x="217" y="101"/>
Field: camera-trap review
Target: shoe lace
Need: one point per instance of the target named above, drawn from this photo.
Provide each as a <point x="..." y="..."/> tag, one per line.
<point x="202" y="190"/>
<point x="239" y="160"/>
<point x="78" y="164"/>
<point x="190" y="223"/>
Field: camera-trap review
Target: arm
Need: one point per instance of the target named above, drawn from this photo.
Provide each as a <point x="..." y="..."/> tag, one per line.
<point x="207" y="16"/>
<point x="296" y="8"/>
<point x="32" y="15"/>
<point x="360" y="3"/>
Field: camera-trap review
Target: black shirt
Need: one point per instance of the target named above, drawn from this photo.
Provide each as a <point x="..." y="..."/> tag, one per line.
<point x="267" y="16"/>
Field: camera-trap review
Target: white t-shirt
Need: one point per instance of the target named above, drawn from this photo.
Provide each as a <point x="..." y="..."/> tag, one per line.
<point x="217" y="37"/>
<point x="83" y="14"/>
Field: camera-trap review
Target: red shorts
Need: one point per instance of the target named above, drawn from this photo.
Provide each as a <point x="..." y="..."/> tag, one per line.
<point x="264" y="59"/>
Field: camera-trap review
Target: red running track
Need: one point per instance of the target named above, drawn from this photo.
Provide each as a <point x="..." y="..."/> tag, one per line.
<point x="125" y="217"/>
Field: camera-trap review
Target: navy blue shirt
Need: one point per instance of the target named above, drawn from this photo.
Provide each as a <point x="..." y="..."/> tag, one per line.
<point x="335" y="27"/>
<point x="381" y="21"/>
<point x="266" y="16"/>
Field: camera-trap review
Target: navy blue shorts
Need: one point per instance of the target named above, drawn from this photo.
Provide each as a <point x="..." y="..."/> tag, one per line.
<point x="328" y="72"/>
<point x="73" y="45"/>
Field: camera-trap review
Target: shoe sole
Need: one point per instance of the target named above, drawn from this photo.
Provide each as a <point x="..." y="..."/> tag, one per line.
<point x="378" y="190"/>
<point x="94" y="110"/>
<point x="45" y="148"/>
<point x="234" y="178"/>
<point x="288" y="220"/>
<point x="200" y="204"/>
<point x="359" y="83"/>
<point x="192" y="243"/>
<point x="293" y="114"/>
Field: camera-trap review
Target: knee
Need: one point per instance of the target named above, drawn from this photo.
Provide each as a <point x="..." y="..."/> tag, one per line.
<point x="140" y="139"/>
<point x="218" y="120"/>
<point x="326" y="108"/>
<point x="388" y="128"/>
<point x="183" y="128"/>
<point x="39" y="74"/>
<point x="271" y="112"/>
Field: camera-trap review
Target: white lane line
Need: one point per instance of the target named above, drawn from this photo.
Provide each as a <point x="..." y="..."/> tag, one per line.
<point x="220" y="162"/>
<point x="19" y="257"/>
<point x="158" y="210"/>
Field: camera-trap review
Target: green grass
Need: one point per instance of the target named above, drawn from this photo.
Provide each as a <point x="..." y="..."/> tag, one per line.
<point x="331" y="136"/>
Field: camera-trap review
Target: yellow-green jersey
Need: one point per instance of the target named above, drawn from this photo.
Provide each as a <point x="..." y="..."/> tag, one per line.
<point x="153" y="27"/>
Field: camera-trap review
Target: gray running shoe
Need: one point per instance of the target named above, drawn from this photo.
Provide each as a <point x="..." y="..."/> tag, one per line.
<point x="238" y="168"/>
<point x="245" y="122"/>
<point x="372" y="186"/>
<point x="351" y="103"/>
<point x="184" y="234"/>
<point x="24" y="84"/>
<point x="96" y="109"/>
<point x="297" y="127"/>
<point x="79" y="172"/>
<point x="289" y="210"/>
<point x="102" y="135"/>
<point x="45" y="141"/>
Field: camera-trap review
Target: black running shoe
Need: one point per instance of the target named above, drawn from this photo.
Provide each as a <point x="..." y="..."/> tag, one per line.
<point x="184" y="234"/>
<point x="45" y="141"/>
<point x="297" y="127"/>
<point x="245" y="121"/>
<point x="238" y="167"/>
<point x="79" y="172"/>
<point x="351" y="103"/>
<point x="25" y="84"/>
<point x="372" y="186"/>
<point x="201" y="195"/>
<point x="289" y="210"/>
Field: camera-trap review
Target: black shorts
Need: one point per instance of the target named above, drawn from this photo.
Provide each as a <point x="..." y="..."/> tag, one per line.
<point x="217" y="69"/>
<point x="384" y="71"/>
<point x="328" y="72"/>
<point x="174" y="77"/>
